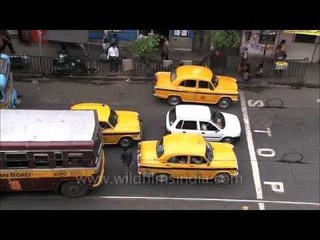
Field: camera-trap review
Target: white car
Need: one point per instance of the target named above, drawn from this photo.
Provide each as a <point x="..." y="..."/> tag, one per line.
<point x="204" y="120"/>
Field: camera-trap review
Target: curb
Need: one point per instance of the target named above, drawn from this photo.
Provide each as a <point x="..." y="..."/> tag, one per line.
<point x="22" y="77"/>
<point x="88" y="79"/>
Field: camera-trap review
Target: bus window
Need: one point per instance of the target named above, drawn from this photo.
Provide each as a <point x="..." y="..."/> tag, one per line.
<point x="58" y="159"/>
<point x="16" y="160"/>
<point x="41" y="160"/>
<point x="75" y="159"/>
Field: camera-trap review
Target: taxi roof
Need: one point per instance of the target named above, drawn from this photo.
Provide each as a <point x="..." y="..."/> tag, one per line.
<point x="103" y="110"/>
<point x="194" y="72"/>
<point x="184" y="144"/>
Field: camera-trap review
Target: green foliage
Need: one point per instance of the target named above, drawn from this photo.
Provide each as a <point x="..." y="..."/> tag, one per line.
<point x="223" y="38"/>
<point x="144" y="46"/>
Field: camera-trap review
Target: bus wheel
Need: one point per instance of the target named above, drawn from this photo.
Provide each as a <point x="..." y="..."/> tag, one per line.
<point x="74" y="189"/>
<point x="125" y="142"/>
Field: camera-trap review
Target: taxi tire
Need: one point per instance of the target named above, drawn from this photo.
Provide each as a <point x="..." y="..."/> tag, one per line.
<point x="227" y="140"/>
<point x="73" y="189"/>
<point x="162" y="177"/>
<point x="224" y="103"/>
<point x="174" y="100"/>
<point x="125" y="142"/>
<point x="222" y="178"/>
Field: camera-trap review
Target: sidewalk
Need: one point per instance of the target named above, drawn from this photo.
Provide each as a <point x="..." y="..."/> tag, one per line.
<point x="311" y="79"/>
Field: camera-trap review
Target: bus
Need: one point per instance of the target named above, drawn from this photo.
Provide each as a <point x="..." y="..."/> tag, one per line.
<point x="60" y="150"/>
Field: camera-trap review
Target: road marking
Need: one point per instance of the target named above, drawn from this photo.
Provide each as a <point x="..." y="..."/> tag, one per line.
<point x="318" y="100"/>
<point x="204" y="199"/>
<point x="266" y="152"/>
<point x="263" y="131"/>
<point x="54" y="197"/>
<point x="252" y="152"/>
<point x="276" y="186"/>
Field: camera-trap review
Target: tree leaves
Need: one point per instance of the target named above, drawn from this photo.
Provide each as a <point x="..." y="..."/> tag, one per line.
<point x="145" y="45"/>
<point x="223" y="38"/>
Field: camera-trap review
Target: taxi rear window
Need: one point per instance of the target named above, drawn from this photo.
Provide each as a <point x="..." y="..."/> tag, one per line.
<point x="172" y="116"/>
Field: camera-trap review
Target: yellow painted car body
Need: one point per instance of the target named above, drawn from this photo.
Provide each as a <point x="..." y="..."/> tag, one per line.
<point x="163" y="157"/>
<point x="198" y="84"/>
<point x="118" y="127"/>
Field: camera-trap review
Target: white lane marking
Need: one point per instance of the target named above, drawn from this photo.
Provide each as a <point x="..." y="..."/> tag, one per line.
<point x="263" y="131"/>
<point x="276" y="186"/>
<point x="163" y="198"/>
<point x="318" y="100"/>
<point x="252" y="152"/>
<point x="204" y="199"/>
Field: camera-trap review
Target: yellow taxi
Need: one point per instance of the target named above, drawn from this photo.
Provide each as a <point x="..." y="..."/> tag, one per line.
<point x="118" y="127"/>
<point x="197" y="84"/>
<point x="186" y="156"/>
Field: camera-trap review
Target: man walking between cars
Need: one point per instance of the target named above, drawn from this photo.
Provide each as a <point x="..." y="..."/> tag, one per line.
<point x="126" y="158"/>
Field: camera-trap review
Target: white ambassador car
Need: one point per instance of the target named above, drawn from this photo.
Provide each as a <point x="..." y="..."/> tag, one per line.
<point x="204" y="120"/>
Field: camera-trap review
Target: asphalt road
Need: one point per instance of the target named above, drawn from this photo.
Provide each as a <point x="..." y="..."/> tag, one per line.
<point x="294" y="130"/>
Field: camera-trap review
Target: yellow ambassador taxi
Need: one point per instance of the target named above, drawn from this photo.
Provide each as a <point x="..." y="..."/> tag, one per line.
<point x="197" y="84"/>
<point x="118" y="127"/>
<point x="186" y="156"/>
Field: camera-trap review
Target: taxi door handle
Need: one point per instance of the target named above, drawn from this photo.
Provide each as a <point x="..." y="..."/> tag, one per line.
<point x="202" y="132"/>
<point x="183" y="131"/>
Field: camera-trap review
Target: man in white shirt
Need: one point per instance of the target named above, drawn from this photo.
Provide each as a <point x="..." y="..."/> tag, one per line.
<point x="113" y="55"/>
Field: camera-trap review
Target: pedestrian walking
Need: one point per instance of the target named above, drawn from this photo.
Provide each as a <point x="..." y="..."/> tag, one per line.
<point x="126" y="158"/>
<point x="6" y="39"/>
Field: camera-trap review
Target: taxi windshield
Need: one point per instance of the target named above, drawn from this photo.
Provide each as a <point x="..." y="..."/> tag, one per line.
<point x="2" y="66"/>
<point x="113" y="118"/>
<point x="160" y="148"/>
<point x="1" y="96"/>
<point x="173" y="75"/>
<point x="209" y="151"/>
<point x="214" y="81"/>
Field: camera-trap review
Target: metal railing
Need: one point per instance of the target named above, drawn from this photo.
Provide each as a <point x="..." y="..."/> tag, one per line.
<point x="45" y="66"/>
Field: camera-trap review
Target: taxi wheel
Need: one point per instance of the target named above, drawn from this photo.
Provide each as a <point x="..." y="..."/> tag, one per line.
<point x="174" y="100"/>
<point x="224" y="103"/>
<point x="125" y="142"/>
<point x="227" y="140"/>
<point x="222" y="178"/>
<point x="162" y="178"/>
<point x="74" y="189"/>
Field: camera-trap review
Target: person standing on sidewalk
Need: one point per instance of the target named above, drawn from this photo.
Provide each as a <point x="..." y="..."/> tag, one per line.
<point x="165" y="49"/>
<point x="113" y="56"/>
<point x="6" y="39"/>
